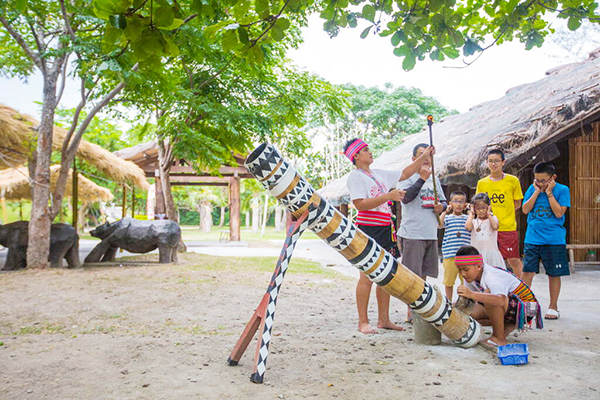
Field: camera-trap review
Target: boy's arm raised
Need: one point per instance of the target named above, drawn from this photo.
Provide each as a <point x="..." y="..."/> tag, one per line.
<point x="415" y="166"/>
<point x="557" y="209"/>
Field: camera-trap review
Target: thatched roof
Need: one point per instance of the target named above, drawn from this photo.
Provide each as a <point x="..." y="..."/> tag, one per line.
<point x="16" y="133"/>
<point x="139" y="152"/>
<point x="524" y="123"/>
<point x="14" y="183"/>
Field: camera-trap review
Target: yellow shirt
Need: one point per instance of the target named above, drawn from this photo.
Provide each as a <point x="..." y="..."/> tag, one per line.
<point x="503" y="194"/>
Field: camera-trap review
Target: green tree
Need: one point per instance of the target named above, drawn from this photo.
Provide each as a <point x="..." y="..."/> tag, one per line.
<point x="382" y="117"/>
<point x="445" y="28"/>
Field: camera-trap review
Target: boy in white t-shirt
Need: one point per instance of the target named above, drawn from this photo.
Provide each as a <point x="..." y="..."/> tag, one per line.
<point x="503" y="301"/>
<point x="372" y="192"/>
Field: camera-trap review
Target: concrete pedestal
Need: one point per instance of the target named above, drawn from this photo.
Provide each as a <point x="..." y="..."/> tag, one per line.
<point x="424" y="332"/>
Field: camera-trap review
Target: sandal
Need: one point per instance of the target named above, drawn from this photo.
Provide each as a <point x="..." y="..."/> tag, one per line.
<point x="552" y="314"/>
<point x="490" y="343"/>
<point x="408" y="320"/>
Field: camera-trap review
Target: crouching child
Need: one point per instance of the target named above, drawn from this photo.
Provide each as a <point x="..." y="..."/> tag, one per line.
<point x="503" y="301"/>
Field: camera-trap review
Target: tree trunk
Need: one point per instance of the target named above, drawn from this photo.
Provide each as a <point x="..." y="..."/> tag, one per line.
<point x="255" y="212"/>
<point x="265" y="214"/>
<point x="38" y="248"/>
<point x="165" y="161"/>
<point x="205" y="210"/>
<point x="247" y="213"/>
<point x="279" y="218"/>
<point x="222" y="217"/>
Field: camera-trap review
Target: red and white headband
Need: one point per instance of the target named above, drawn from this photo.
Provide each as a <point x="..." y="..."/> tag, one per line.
<point x="468" y="260"/>
<point x="354" y="148"/>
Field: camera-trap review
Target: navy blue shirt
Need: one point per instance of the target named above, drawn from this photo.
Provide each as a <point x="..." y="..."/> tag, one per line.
<point x="542" y="225"/>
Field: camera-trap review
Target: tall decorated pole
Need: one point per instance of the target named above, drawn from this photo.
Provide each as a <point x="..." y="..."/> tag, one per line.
<point x="298" y="196"/>
<point x="435" y="192"/>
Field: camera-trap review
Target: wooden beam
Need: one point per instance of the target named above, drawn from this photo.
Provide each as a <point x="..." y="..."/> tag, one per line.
<point x="225" y="170"/>
<point x="199" y="179"/>
<point x="160" y="198"/>
<point x="124" y="207"/>
<point x="133" y="202"/>
<point x="199" y="184"/>
<point x="234" y="209"/>
<point x="74" y="194"/>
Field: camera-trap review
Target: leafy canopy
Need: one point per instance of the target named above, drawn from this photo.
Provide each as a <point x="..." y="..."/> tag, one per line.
<point x="443" y="29"/>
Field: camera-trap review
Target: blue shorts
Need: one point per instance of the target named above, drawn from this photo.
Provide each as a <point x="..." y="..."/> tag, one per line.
<point x="553" y="256"/>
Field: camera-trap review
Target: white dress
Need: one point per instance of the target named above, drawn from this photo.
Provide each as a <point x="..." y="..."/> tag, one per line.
<point x="485" y="239"/>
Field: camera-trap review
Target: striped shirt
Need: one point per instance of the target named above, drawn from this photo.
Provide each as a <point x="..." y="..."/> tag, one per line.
<point x="373" y="218"/>
<point x="456" y="235"/>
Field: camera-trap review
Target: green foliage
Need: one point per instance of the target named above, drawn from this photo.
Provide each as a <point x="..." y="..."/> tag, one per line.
<point x="444" y="28"/>
<point x="383" y="118"/>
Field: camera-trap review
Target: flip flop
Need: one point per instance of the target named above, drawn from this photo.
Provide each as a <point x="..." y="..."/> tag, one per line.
<point x="552" y="314"/>
<point x="489" y="343"/>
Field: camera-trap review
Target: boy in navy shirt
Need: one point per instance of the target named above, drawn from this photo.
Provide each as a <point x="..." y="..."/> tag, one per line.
<point x="546" y="202"/>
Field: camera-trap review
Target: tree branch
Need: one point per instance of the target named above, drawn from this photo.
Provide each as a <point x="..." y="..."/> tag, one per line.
<point x="254" y="42"/>
<point x="68" y="156"/>
<point x="64" y="80"/>
<point x="19" y="39"/>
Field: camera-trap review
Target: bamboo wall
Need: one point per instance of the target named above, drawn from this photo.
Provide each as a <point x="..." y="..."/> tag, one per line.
<point x="584" y="153"/>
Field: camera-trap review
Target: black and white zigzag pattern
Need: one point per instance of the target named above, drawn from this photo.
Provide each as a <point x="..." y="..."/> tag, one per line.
<point x="274" y="287"/>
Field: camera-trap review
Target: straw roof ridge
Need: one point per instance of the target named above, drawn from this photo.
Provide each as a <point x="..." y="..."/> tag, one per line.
<point x="529" y="115"/>
<point x="15" y="185"/>
<point x="16" y="133"/>
<point x="130" y="153"/>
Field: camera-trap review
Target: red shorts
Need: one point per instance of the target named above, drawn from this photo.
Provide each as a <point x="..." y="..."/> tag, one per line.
<point x="508" y="243"/>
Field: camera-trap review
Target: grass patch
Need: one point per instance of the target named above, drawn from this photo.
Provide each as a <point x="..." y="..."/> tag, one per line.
<point x="200" y="262"/>
<point x="192" y="233"/>
<point x="40" y="329"/>
<point x="198" y="330"/>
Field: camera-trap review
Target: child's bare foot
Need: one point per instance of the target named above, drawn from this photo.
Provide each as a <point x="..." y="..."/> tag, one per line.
<point x="366" y="328"/>
<point x="493" y="341"/>
<point x="389" y="325"/>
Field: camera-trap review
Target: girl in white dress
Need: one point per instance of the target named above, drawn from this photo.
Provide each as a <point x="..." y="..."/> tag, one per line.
<point x="484" y="230"/>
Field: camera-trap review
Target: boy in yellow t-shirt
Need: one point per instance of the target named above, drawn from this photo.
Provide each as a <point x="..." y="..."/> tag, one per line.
<point x="506" y="195"/>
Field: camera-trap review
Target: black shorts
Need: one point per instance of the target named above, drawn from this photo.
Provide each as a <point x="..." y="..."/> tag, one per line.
<point x="383" y="236"/>
<point x="553" y="256"/>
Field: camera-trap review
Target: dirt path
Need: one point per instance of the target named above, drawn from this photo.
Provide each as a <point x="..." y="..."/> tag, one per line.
<point x="165" y="332"/>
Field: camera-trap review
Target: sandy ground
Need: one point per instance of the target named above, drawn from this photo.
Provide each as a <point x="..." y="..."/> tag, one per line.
<point x="165" y="332"/>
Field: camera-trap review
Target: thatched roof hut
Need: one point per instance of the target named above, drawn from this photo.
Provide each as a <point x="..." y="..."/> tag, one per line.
<point x="14" y="184"/>
<point x="16" y="135"/>
<point x="526" y="123"/>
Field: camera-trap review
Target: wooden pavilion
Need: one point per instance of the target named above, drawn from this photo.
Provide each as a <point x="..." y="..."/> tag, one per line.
<point x="182" y="173"/>
<point x="554" y="119"/>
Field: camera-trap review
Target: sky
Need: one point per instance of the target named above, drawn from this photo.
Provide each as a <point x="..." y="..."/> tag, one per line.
<point x="369" y="62"/>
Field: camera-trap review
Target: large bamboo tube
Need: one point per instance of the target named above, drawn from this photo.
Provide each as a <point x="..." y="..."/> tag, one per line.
<point x="297" y="195"/>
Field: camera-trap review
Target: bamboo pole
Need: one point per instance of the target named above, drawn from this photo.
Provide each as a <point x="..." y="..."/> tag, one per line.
<point x="133" y="202"/>
<point x="297" y="195"/>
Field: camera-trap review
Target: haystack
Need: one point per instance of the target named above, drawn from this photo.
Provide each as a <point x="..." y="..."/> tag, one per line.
<point x="14" y="184"/>
<point x="17" y="136"/>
